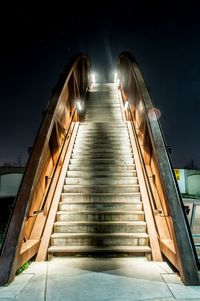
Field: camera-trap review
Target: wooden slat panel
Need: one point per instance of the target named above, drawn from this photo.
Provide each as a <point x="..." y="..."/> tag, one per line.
<point x="28" y="250"/>
<point x="56" y="198"/>
<point x="153" y="236"/>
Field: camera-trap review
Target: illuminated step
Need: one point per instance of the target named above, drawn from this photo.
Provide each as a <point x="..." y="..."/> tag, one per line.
<point x="134" y="250"/>
<point x="92" y="181"/>
<point x="100" y="188"/>
<point x="91" y="155"/>
<point x="100" y="227"/>
<point x="99" y="239"/>
<point x="102" y="161"/>
<point x="72" y="205"/>
<point x="104" y="167"/>
<point x="102" y="150"/>
<point x="100" y="173"/>
<point x="113" y="215"/>
<point x="101" y="197"/>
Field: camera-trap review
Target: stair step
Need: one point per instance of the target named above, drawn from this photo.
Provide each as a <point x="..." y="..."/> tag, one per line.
<point x="105" y="156"/>
<point x="95" y="131"/>
<point x="102" y="139"/>
<point x="103" y="125"/>
<point x="99" y="174"/>
<point x="92" y="181"/>
<point x="102" y="135"/>
<point x="115" y="145"/>
<point x="100" y="227"/>
<point x="99" y="239"/>
<point x="100" y="188"/>
<point x="102" y="197"/>
<point x="100" y="150"/>
<point x="100" y="206"/>
<point x="136" y="250"/>
<point x="103" y="161"/>
<point x="104" y="167"/>
<point x="100" y="216"/>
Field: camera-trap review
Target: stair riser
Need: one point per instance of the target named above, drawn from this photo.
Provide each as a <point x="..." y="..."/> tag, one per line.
<point x="100" y="207"/>
<point x="89" y="156"/>
<point x="101" y="198"/>
<point x="103" y="116"/>
<point x="109" y="140"/>
<point x="105" y="217"/>
<point x="74" y="174"/>
<point x="98" y="189"/>
<point x="93" y="131"/>
<point x="102" y="167"/>
<point x="105" y="127"/>
<point x="99" y="228"/>
<point x="101" y="181"/>
<point x="103" y="145"/>
<point x="115" y="241"/>
<point x="103" y="150"/>
<point x="102" y="135"/>
<point x="102" y="161"/>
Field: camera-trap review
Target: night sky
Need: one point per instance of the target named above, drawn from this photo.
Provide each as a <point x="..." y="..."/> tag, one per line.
<point x="37" y="42"/>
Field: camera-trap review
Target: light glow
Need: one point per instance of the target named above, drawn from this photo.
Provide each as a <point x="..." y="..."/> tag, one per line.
<point x="93" y="79"/>
<point x="126" y="106"/>
<point x="115" y="77"/>
<point x="79" y="105"/>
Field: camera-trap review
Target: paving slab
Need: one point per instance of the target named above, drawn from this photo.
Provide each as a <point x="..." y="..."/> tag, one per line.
<point x="99" y="279"/>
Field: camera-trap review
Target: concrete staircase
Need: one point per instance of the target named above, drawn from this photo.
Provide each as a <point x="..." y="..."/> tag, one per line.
<point x="101" y="210"/>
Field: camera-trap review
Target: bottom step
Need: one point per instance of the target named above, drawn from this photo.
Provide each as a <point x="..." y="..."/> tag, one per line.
<point x="66" y="250"/>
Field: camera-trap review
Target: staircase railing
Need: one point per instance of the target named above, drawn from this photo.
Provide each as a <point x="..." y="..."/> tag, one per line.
<point x="173" y="231"/>
<point x="33" y="202"/>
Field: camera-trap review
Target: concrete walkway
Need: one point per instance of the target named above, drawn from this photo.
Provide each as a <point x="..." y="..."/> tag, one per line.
<point x="98" y="279"/>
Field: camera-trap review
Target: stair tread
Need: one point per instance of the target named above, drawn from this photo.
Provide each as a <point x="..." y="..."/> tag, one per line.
<point x="100" y="185"/>
<point x="101" y="194"/>
<point x="88" y="249"/>
<point x="100" y="223"/>
<point x="91" y="176"/>
<point x="67" y="235"/>
<point x="139" y="212"/>
<point x="99" y="202"/>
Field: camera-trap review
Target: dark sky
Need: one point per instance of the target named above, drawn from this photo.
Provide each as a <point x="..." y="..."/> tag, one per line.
<point x="37" y="41"/>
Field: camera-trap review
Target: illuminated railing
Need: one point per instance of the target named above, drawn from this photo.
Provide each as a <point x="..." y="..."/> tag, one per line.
<point x="33" y="202"/>
<point x="168" y="211"/>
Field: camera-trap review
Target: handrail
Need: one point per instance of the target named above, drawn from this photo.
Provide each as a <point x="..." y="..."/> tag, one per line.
<point x="27" y="221"/>
<point x="174" y="234"/>
<point x="41" y="208"/>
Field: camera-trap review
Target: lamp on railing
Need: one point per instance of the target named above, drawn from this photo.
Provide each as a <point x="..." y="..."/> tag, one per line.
<point x="126" y="105"/>
<point x="79" y="105"/>
<point x="115" y="77"/>
<point x="92" y="81"/>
